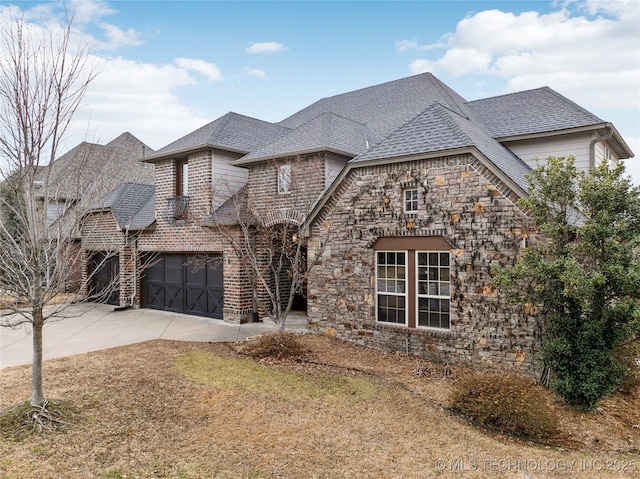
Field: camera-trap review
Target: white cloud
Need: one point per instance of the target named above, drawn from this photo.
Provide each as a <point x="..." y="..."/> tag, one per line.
<point x="86" y="11"/>
<point x="137" y="97"/>
<point x="116" y="37"/>
<point x="255" y="72"/>
<point x="209" y="70"/>
<point x="580" y="55"/>
<point x="265" y="47"/>
<point x="403" y="45"/>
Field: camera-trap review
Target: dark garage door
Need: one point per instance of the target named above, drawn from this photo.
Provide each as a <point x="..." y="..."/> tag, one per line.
<point x="105" y="279"/>
<point x="187" y="284"/>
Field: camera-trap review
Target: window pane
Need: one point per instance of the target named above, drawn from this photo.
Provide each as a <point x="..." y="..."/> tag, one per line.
<point x="401" y="259"/>
<point x="444" y="274"/>
<point x="433" y="274"/>
<point x="444" y="259"/>
<point x="381" y="257"/>
<point x="422" y="259"/>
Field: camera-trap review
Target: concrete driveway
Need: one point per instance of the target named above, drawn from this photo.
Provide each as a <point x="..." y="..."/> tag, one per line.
<point x="91" y="327"/>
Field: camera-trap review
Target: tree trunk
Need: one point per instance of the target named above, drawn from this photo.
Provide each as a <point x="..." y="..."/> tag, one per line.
<point x="37" y="391"/>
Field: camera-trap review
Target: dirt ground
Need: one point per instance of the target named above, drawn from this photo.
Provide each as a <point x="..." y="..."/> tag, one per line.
<point x="165" y="409"/>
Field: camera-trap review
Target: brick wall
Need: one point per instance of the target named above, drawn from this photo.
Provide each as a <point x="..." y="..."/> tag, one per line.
<point x="459" y="200"/>
<point x="307" y="183"/>
<point x="189" y="236"/>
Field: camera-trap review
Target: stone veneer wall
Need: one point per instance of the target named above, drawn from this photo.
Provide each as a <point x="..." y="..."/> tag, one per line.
<point x="463" y="202"/>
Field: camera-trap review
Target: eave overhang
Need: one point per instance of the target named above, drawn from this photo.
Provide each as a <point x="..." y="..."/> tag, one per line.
<point x="291" y="154"/>
<point x="180" y="152"/>
<point x="620" y="146"/>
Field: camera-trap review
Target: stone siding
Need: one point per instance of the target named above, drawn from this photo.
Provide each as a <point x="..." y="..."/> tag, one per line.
<point x="460" y="200"/>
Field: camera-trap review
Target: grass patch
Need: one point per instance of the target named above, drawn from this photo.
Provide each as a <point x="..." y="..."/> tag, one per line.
<point x="252" y="377"/>
<point x="17" y="422"/>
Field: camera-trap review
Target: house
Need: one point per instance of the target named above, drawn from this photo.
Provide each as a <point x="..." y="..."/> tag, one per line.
<point x="72" y="183"/>
<point x="110" y="231"/>
<point x="408" y="197"/>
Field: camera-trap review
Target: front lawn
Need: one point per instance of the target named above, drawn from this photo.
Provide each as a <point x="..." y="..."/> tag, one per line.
<point x="191" y="410"/>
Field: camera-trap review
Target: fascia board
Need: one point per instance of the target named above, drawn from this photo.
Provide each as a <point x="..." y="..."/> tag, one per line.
<point x="289" y="154"/>
<point x="188" y="150"/>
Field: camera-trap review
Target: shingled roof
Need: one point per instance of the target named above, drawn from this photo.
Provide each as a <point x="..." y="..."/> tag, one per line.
<point x="90" y="170"/>
<point x="326" y="132"/>
<point x="438" y="129"/>
<point x="132" y="204"/>
<point x="231" y="132"/>
<point x="382" y="108"/>
<point x="528" y="112"/>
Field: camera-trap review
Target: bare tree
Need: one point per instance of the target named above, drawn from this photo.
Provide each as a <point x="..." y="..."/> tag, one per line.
<point x="267" y="236"/>
<point x="44" y="75"/>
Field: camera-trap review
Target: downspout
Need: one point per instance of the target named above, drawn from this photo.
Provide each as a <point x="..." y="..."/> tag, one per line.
<point x="597" y="139"/>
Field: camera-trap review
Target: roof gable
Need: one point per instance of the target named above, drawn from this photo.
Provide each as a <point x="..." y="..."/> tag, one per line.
<point x="438" y="129"/>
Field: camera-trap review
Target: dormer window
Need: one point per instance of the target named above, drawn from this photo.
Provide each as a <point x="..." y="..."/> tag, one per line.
<point x="284" y="179"/>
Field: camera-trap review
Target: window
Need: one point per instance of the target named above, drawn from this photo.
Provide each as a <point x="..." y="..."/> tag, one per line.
<point x="434" y="288"/>
<point x="410" y="200"/>
<point x="284" y="179"/>
<point x="182" y="178"/>
<point x="413" y="281"/>
<point x="609" y="158"/>
<point x="391" y="287"/>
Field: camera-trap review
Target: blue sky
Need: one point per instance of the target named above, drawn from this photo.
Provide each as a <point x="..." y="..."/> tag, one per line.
<point x="167" y="67"/>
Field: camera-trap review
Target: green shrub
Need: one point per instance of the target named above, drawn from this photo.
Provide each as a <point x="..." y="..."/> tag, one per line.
<point x="279" y="345"/>
<point x="508" y="404"/>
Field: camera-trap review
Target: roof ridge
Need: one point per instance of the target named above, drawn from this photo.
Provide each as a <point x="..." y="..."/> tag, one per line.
<point x="452" y="124"/>
<point x="441" y="86"/>
<point x="377" y="85"/>
<point x="410" y="120"/>
<point x="226" y="118"/>
<point x="545" y="87"/>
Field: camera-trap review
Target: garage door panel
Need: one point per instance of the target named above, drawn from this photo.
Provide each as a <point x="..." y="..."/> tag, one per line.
<point x="185" y="285"/>
<point x="105" y="279"/>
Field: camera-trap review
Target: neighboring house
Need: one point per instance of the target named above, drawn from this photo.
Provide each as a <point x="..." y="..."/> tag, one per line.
<point x="409" y="199"/>
<point x="81" y="177"/>
<point x="110" y="232"/>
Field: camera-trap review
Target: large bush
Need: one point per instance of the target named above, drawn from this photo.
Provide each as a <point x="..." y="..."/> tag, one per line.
<point x="583" y="271"/>
<point x="508" y="404"/>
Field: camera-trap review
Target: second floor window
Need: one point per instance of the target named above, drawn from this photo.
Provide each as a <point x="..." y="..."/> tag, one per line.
<point x="410" y="200"/>
<point x="284" y="179"/>
<point x="182" y="178"/>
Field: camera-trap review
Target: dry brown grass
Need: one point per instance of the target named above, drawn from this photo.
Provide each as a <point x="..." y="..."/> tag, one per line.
<point x="185" y="410"/>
